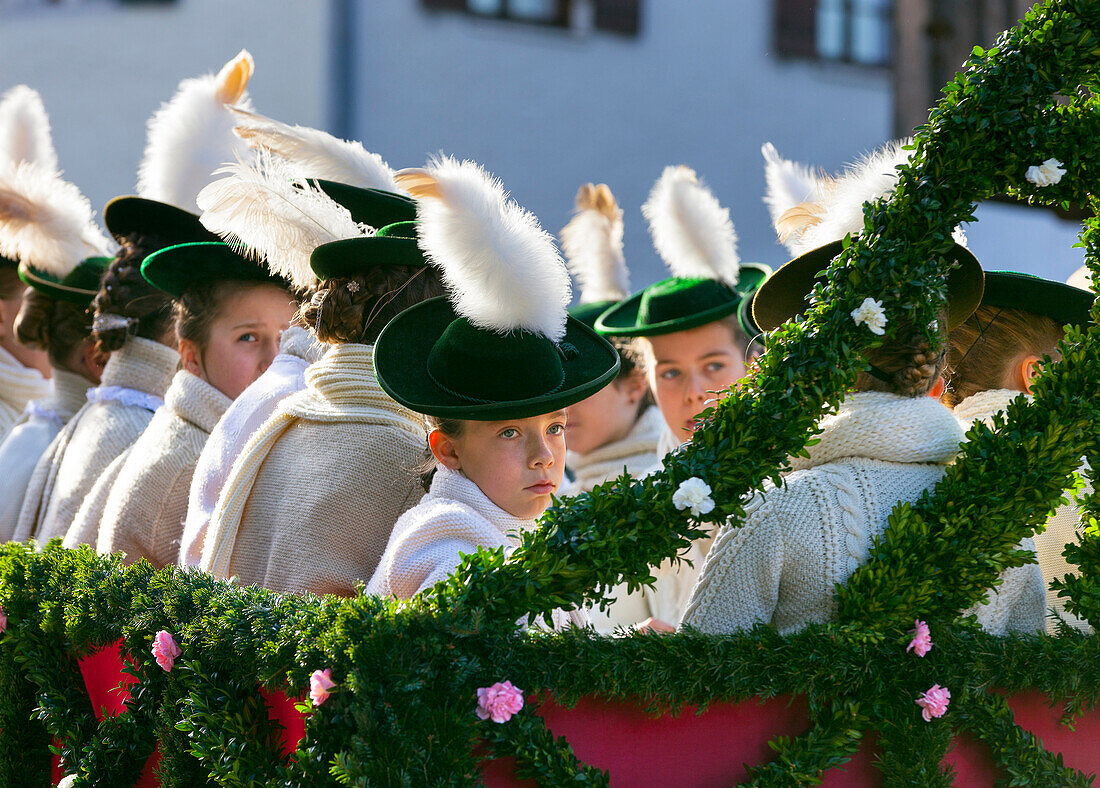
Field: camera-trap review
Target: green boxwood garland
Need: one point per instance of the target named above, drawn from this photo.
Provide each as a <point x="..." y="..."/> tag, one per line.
<point x="402" y="712"/>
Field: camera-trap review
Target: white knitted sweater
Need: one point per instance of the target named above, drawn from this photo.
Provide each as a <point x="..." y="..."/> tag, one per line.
<point x="18" y="386"/>
<point x="636" y="454"/>
<point x="799" y="541"/>
<point x="144" y="513"/>
<point x="95" y="436"/>
<point x="286" y="375"/>
<point x="313" y="497"/>
<point x="1062" y="528"/>
<point x="29" y="438"/>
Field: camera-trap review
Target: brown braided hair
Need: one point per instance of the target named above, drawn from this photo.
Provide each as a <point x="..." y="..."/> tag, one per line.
<point x="124" y="292"/>
<point x="58" y="327"/>
<point x="355" y="309"/>
<point x="908" y="364"/>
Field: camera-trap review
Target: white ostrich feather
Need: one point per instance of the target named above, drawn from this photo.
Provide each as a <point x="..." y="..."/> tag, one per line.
<point x="1081" y="278"/>
<point x="312" y="153"/>
<point x="593" y="246"/>
<point x="691" y="230"/>
<point x="263" y="212"/>
<point x="192" y="135"/>
<point x="501" y="269"/>
<point x="45" y="222"/>
<point x="25" y="129"/>
<point x="788" y="183"/>
<point x="840" y="208"/>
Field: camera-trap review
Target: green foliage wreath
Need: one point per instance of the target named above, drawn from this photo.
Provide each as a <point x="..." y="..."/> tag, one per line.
<point x="407" y="673"/>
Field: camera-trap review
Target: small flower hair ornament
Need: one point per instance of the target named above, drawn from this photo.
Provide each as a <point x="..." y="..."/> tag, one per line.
<point x="593" y="246"/>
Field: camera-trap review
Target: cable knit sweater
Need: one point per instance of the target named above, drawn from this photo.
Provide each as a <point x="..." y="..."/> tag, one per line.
<point x="636" y="454"/>
<point x="144" y="512"/>
<point x="138" y="373"/>
<point x="18" y="386"/>
<point x="286" y="375"/>
<point x="29" y="438"/>
<point x="1062" y="528"/>
<point x="313" y="497"/>
<point x="799" y="541"/>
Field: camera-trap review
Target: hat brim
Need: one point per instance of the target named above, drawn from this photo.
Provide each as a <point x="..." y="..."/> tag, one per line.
<point x="177" y="269"/>
<point x="1062" y="303"/>
<point x="131" y="214"/>
<point x="783" y="295"/>
<point x="623" y="320"/>
<point x="78" y="288"/>
<point x="401" y="357"/>
<point x="353" y="256"/>
<point x="589" y="313"/>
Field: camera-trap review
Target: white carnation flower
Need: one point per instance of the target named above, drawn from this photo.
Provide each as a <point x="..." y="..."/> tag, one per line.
<point x="694" y="494"/>
<point x="1046" y="174"/>
<point x="871" y="313"/>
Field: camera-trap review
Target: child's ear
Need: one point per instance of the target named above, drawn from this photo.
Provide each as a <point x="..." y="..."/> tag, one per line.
<point x="635" y="386"/>
<point x="191" y="358"/>
<point x="1028" y="371"/>
<point x="443" y="449"/>
<point x="937" y="389"/>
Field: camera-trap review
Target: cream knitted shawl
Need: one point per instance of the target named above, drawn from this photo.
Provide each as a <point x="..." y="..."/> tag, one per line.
<point x="28" y="440"/>
<point x="798" y="541"/>
<point x="636" y="453"/>
<point x="93" y="438"/>
<point x="1062" y="528"/>
<point x="286" y="375"/>
<point x="144" y="512"/>
<point x="18" y="386"/>
<point x="313" y="497"/>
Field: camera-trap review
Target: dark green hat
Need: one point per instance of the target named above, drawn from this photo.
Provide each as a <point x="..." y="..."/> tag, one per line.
<point x="132" y="214"/>
<point x="78" y="287"/>
<point x="1062" y="303"/>
<point x="677" y="304"/>
<point x="783" y="296"/>
<point x="394" y="244"/>
<point x="176" y="269"/>
<point x="436" y="363"/>
<point x="375" y="207"/>
<point x="590" y="312"/>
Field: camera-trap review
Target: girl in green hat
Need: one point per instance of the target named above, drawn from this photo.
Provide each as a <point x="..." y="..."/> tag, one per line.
<point x="494" y="365"/>
<point x="48" y="225"/>
<point x="993" y="358"/>
<point x="694" y="342"/>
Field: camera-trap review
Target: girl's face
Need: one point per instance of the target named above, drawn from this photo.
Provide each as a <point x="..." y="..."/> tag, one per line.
<point x="243" y="340"/>
<point x="686" y="368"/>
<point x="517" y="463"/>
<point x="608" y="415"/>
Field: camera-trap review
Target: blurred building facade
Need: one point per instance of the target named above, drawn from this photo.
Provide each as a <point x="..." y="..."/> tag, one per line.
<point x="547" y="94"/>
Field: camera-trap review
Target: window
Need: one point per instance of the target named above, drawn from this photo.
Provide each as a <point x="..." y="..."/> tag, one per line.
<point x="616" y="16"/>
<point x="847" y="31"/>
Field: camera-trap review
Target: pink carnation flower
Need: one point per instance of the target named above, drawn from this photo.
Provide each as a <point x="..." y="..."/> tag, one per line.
<point x="3" y="620"/>
<point x="165" y="650"/>
<point x="934" y="702"/>
<point x="499" y="702"/>
<point x="921" y="643"/>
<point x="319" y="685"/>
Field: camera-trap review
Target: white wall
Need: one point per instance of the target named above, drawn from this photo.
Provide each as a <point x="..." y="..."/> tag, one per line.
<point x="102" y="70"/>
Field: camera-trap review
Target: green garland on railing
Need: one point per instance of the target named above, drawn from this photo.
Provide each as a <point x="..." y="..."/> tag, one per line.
<point x="407" y="674"/>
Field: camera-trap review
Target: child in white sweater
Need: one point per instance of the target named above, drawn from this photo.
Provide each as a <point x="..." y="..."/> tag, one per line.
<point x="495" y="365"/>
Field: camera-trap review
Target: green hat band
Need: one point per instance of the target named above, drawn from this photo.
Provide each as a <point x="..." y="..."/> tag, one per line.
<point x="674" y="298"/>
<point x="78" y="287"/>
<point x="476" y="365"/>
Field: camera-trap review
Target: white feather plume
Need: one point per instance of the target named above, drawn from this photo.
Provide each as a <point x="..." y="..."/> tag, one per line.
<point x="691" y="230"/>
<point x="312" y="153"/>
<point x="192" y="135"/>
<point x="45" y="222"/>
<point x="25" y="129"/>
<point x="840" y="208"/>
<point x="501" y="269"/>
<point x="788" y="183"/>
<point x="263" y="212"/>
<point x="593" y="246"/>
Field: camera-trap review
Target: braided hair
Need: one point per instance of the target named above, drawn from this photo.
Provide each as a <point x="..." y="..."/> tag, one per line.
<point x="125" y="293"/>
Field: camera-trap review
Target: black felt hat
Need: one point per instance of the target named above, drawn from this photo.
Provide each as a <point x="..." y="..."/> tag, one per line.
<point x="78" y="287"/>
<point x="1063" y="303"/>
<point x="394" y="244"/>
<point x="179" y="268"/>
<point x="132" y="214"/>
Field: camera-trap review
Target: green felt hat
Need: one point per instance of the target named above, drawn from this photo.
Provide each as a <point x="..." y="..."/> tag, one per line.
<point x="394" y="244"/>
<point x="677" y="304"/>
<point x="783" y="295"/>
<point x="375" y="207"/>
<point x="133" y="214"/>
<point x="1064" y="304"/>
<point x="590" y="312"/>
<point x="176" y="269"/>
<point x="78" y="287"/>
<point x="436" y="363"/>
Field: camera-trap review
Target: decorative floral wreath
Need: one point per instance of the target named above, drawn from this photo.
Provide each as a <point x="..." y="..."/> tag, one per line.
<point x="402" y="692"/>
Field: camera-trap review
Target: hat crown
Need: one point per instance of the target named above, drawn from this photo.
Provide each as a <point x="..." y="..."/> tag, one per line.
<point x="679" y="297"/>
